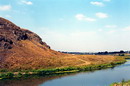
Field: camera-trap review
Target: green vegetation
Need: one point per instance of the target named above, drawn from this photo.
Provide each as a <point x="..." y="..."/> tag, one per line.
<point x="122" y="83"/>
<point x="8" y="75"/>
<point x="56" y="71"/>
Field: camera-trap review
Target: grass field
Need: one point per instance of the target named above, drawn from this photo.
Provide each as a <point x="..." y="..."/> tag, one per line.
<point x="84" y="63"/>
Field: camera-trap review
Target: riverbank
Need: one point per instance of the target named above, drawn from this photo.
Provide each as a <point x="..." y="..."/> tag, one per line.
<point x="58" y="71"/>
<point x="122" y="83"/>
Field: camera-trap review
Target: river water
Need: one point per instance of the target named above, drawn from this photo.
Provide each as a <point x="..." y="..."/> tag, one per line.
<point x="97" y="78"/>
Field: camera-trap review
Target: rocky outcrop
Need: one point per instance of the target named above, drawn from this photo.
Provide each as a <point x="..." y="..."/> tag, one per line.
<point x="10" y="34"/>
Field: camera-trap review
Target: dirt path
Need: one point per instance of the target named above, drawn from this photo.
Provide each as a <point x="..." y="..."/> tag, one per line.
<point x="84" y="62"/>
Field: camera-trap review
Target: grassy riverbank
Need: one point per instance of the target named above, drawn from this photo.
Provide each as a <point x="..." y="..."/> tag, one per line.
<point x="4" y="74"/>
<point x="123" y="83"/>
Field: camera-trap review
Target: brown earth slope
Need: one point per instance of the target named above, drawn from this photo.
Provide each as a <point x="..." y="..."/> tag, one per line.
<point x="23" y="49"/>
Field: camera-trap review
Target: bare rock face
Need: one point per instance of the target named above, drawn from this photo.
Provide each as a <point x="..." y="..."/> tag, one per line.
<point x="10" y="34"/>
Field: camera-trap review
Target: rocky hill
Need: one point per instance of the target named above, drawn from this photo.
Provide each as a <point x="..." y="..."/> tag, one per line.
<point x="10" y="34"/>
<point x="20" y="47"/>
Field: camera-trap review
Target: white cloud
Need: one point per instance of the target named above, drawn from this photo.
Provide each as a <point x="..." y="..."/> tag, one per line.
<point x="27" y="2"/>
<point x="90" y="19"/>
<point x="80" y="16"/>
<point x="111" y="26"/>
<point x="84" y="18"/>
<point x="107" y="0"/>
<point x="101" y="15"/>
<point x="97" y="3"/>
<point x="111" y="31"/>
<point x="5" y="7"/>
<point x="126" y="28"/>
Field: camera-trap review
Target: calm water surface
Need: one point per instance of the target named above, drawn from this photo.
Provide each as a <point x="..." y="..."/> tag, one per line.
<point x="97" y="78"/>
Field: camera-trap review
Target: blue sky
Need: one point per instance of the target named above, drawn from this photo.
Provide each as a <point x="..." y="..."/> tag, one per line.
<point x="74" y="25"/>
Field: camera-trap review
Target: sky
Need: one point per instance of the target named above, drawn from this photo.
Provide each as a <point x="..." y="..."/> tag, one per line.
<point x="74" y="25"/>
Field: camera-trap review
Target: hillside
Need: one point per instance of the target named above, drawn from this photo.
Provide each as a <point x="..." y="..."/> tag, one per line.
<point x="23" y="49"/>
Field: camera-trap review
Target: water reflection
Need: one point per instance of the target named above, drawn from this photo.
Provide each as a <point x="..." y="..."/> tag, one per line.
<point x="34" y="81"/>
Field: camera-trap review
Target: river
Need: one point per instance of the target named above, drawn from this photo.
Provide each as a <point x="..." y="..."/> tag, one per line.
<point x="97" y="78"/>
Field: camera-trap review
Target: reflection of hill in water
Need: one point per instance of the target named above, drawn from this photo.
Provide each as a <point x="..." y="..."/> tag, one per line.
<point x="26" y="82"/>
<point x="35" y="81"/>
<point x="30" y="81"/>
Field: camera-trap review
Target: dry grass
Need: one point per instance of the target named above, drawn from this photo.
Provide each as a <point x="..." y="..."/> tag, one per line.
<point x="81" y="60"/>
<point x="32" y="55"/>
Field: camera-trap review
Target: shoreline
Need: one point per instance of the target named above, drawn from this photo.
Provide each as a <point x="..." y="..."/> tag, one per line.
<point x="57" y="71"/>
<point x="122" y="83"/>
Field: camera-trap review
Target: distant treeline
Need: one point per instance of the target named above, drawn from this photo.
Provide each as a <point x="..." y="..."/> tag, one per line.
<point x="121" y="53"/>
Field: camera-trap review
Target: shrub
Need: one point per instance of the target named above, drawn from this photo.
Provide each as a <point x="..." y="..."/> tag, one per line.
<point x="9" y="75"/>
<point x="19" y="74"/>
